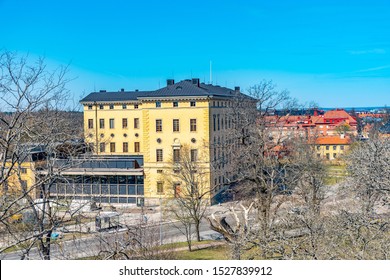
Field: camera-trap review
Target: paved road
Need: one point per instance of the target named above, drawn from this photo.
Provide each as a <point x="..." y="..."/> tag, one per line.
<point x="89" y="246"/>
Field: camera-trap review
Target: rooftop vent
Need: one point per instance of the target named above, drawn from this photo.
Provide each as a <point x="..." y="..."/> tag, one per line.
<point x="195" y="81"/>
<point x="136" y="90"/>
<point x="170" y="82"/>
<point x="122" y="89"/>
<point x="102" y="90"/>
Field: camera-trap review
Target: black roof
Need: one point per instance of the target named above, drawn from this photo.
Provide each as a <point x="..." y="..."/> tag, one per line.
<point x="184" y="88"/>
<point x="113" y="96"/>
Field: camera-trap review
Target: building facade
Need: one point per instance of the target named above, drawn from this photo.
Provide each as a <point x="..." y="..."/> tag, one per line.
<point x="332" y="148"/>
<point x="157" y="125"/>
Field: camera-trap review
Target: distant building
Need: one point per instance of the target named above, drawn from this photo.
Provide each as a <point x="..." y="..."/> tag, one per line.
<point x="332" y="147"/>
<point x="333" y="122"/>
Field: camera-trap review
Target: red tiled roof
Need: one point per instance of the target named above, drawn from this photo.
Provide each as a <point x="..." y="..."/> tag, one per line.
<point x="338" y="114"/>
<point x="333" y="140"/>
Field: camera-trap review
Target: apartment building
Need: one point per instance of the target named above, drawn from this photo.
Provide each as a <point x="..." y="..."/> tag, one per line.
<point x="332" y="147"/>
<point x="156" y="125"/>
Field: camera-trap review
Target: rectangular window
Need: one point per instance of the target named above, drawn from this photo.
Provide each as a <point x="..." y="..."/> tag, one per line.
<point x="101" y="123"/>
<point x="159" y="171"/>
<point x="160" y="187"/>
<point x="318" y="148"/>
<point x="136" y="147"/>
<point x="214" y="122"/>
<point x="90" y="123"/>
<point x="194" y="155"/>
<point x="219" y="126"/>
<point x="158" y="104"/>
<point x="124" y="123"/>
<point x="334" y="155"/>
<point x="89" y="107"/>
<point x="334" y="148"/>
<point x="318" y="155"/>
<point x="111" y="106"/>
<point x="159" y="155"/>
<point x="102" y="147"/>
<point x="112" y="147"/>
<point x="125" y="147"/>
<point x="124" y="106"/>
<point x="342" y="147"/>
<point x="175" y="104"/>
<point x="136" y="123"/>
<point x="192" y="125"/>
<point x="176" y="155"/>
<point x="23" y="170"/>
<point x="327" y="148"/>
<point x="177" y="190"/>
<point x="135" y="106"/>
<point x="176" y="127"/>
<point x="158" y="125"/>
<point x="112" y="123"/>
<point x="327" y="156"/>
<point x="101" y="107"/>
<point x="192" y="103"/>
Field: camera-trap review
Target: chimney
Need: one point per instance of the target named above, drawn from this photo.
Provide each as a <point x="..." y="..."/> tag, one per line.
<point x="136" y="90"/>
<point x="195" y="81"/>
<point x="237" y="89"/>
<point x="170" y="82"/>
<point x="122" y="90"/>
<point x="342" y="136"/>
<point x="102" y="90"/>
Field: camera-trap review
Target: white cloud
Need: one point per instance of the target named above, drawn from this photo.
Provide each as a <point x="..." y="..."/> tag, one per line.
<point x="372" y="51"/>
<point x="374" y="69"/>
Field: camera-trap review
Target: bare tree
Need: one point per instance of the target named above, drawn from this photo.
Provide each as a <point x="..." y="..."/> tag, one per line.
<point x="369" y="171"/>
<point x="260" y="156"/>
<point x="140" y="242"/>
<point x="33" y="125"/>
<point x="192" y="192"/>
<point x="236" y="228"/>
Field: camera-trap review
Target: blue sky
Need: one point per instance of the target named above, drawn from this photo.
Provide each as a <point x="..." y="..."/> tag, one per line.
<point x="335" y="53"/>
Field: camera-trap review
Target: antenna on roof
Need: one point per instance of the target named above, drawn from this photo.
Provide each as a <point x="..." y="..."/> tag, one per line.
<point x="211" y="72"/>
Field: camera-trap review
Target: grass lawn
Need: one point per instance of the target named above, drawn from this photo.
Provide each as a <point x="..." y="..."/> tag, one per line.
<point x="335" y="174"/>
<point x="210" y="253"/>
<point x="216" y="252"/>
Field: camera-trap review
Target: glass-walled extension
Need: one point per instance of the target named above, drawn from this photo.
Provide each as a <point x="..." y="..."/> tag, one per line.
<point x="101" y="189"/>
<point x="102" y="180"/>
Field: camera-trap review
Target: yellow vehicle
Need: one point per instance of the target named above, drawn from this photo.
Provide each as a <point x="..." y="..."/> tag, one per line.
<point x="16" y="218"/>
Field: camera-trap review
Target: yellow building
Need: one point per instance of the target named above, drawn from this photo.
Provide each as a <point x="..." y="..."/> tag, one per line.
<point x="21" y="179"/>
<point x="157" y="125"/>
<point x="332" y="147"/>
